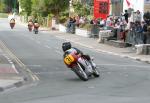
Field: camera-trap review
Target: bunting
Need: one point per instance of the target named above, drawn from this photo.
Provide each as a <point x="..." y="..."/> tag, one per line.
<point x="128" y="3"/>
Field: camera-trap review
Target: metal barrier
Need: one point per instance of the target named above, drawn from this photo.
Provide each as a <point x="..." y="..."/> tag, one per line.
<point x="134" y="37"/>
<point x="71" y="28"/>
<point x="94" y="32"/>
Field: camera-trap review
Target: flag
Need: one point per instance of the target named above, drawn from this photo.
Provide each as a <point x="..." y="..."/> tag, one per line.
<point x="128" y="3"/>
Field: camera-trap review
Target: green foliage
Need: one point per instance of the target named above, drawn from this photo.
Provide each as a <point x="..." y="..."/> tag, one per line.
<point x="10" y="5"/>
<point x="26" y="6"/>
<point x="50" y="16"/>
<point x="2" y="7"/>
<point x="81" y="9"/>
<point x="63" y="16"/>
<point x="45" y="7"/>
<point x="35" y="7"/>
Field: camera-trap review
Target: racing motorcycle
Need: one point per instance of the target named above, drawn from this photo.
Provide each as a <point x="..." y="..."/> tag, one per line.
<point x="81" y="66"/>
<point x="12" y="23"/>
<point x="36" y="27"/>
<point x="30" y="26"/>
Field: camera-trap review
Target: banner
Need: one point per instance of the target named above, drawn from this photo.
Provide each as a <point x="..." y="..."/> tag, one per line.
<point x="101" y="8"/>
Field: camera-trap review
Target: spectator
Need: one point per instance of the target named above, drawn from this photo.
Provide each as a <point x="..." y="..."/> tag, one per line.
<point x="138" y="16"/>
<point x="144" y="28"/>
<point x="74" y="20"/>
<point x="77" y="21"/>
<point x="94" y="21"/>
<point x="107" y="21"/>
<point x="81" y="20"/>
<point x="126" y="15"/>
<point x="102" y="23"/>
<point x="70" y="20"/>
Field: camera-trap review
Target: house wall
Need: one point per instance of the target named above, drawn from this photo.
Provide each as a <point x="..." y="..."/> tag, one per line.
<point x="146" y="5"/>
<point x="116" y="7"/>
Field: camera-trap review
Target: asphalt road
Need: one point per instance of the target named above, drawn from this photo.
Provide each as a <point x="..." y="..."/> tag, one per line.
<point x="122" y="80"/>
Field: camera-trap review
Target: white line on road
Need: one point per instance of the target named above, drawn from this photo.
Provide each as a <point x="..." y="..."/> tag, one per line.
<point x="57" y="47"/>
<point x="123" y="65"/>
<point x="13" y="66"/>
<point x="34" y="77"/>
<point x="38" y="42"/>
<point x="34" y="65"/>
<point x="55" y="72"/>
<point x="47" y="46"/>
<point x="59" y="52"/>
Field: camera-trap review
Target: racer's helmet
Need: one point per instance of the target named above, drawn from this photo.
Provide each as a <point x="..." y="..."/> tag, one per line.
<point x="66" y="46"/>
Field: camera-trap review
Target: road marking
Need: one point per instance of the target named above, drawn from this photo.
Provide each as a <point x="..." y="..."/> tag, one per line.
<point x="38" y="42"/>
<point x="33" y="76"/>
<point x="12" y="64"/>
<point x="123" y="65"/>
<point x="47" y="46"/>
<point x="54" y="72"/>
<point x="57" y="48"/>
<point x="91" y="87"/>
<point x="59" y="52"/>
<point x="34" y="65"/>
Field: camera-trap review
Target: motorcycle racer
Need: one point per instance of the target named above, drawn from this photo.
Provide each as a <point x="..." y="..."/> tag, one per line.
<point x="67" y="48"/>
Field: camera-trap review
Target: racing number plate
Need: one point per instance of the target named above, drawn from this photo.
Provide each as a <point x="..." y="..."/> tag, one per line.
<point x="69" y="59"/>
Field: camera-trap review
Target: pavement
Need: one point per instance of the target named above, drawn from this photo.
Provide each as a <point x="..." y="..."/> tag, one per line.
<point x="9" y="76"/>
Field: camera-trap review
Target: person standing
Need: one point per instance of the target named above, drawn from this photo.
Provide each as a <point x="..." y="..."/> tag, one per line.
<point x="126" y="15"/>
<point x="138" y="16"/>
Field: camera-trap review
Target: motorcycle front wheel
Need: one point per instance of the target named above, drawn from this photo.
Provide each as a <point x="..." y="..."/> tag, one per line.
<point x="95" y="72"/>
<point x="80" y="72"/>
<point x="35" y="31"/>
<point x="12" y="25"/>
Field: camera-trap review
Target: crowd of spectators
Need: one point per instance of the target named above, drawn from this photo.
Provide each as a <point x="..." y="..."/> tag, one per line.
<point x="133" y="28"/>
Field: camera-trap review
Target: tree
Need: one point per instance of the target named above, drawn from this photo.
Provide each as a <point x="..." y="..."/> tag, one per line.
<point x="26" y="6"/>
<point x="53" y="6"/>
<point x="81" y="9"/>
<point x="44" y="8"/>
<point x="10" y="5"/>
<point x="2" y="6"/>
